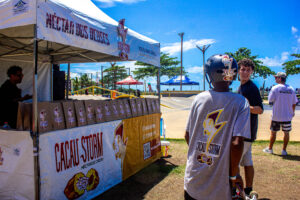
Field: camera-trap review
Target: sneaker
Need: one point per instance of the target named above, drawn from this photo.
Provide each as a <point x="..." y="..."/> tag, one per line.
<point x="267" y="150"/>
<point x="284" y="153"/>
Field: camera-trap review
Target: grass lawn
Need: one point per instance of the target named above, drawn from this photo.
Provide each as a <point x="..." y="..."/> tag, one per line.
<point x="276" y="177"/>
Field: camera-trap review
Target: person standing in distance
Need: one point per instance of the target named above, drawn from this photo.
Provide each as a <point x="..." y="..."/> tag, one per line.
<point x="249" y="90"/>
<point x="218" y="123"/>
<point x="284" y="101"/>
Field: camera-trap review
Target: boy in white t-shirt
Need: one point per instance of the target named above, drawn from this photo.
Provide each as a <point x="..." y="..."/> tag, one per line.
<point x="284" y="101"/>
<point x="218" y="123"/>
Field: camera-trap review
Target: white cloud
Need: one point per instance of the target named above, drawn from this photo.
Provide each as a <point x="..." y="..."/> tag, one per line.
<point x="111" y="3"/>
<point x="195" y="70"/>
<point x="73" y="75"/>
<point x="276" y="61"/>
<point x="187" y="45"/>
<point x="294" y="30"/>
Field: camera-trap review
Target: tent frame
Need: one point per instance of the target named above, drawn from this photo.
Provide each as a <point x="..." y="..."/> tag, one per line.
<point x="35" y="56"/>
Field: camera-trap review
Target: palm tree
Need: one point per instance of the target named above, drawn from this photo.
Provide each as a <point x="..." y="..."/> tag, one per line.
<point x="84" y="80"/>
<point x="290" y="67"/>
<point x="76" y="83"/>
<point x="259" y="69"/>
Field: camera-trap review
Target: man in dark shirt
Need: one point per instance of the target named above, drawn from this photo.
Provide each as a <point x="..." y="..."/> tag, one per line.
<point x="10" y="96"/>
<point x="249" y="90"/>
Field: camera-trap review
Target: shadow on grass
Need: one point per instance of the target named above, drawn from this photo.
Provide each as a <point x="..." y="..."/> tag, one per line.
<point x="263" y="199"/>
<point x="136" y="186"/>
<point x="289" y="157"/>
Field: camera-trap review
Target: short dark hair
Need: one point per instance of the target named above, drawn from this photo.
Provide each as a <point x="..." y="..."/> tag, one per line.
<point x="246" y="62"/>
<point x="12" y="70"/>
<point x="283" y="79"/>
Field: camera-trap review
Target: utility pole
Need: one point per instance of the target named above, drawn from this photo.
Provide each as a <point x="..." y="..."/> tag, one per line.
<point x="203" y="49"/>
<point x="181" y="36"/>
<point x="102" y="79"/>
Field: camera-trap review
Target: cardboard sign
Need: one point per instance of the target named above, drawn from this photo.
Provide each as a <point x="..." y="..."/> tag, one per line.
<point x="139" y="107"/>
<point x="127" y="108"/>
<point x="80" y="113"/>
<point x="44" y="117"/>
<point x="90" y="111"/>
<point x="57" y="115"/>
<point x="99" y="111"/>
<point x="69" y="113"/>
<point x="132" y="103"/>
<point x="144" y="106"/>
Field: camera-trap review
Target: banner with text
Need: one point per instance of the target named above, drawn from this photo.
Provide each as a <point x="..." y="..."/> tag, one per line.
<point x="83" y="162"/>
<point x="143" y="143"/>
<point x="80" y="163"/>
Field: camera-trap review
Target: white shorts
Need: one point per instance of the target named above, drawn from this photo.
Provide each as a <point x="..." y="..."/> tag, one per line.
<point x="246" y="159"/>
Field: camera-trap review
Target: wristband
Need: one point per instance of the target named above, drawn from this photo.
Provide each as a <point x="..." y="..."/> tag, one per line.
<point x="233" y="178"/>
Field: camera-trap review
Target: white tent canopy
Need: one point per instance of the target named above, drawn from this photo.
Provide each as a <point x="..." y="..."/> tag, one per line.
<point x="69" y="32"/>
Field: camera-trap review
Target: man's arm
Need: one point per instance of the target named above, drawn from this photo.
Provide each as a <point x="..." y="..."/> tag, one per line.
<point x="256" y="110"/>
<point x="187" y="137"/>
<point x="236" y="151"/>
<point x="294" y="108"/>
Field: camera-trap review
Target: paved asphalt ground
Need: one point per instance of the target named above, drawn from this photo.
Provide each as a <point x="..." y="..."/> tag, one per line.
<point x="176" y="116"/>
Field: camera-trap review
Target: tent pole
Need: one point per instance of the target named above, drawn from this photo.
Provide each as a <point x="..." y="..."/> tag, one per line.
<point x="68" y="80"/>
<point x="158" y="83"/>
<point x="34" y="117"/>
<point x="51" y="81"/>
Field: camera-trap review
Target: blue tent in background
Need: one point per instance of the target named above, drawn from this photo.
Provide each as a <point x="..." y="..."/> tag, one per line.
<point x="176" y="81"/>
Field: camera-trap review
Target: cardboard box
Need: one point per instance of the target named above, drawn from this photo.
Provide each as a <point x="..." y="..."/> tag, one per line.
<point x="115" y="110"/>
<point x="153" y="103"/>
<point x="80" y="113"/>
<point x="157" y="106"/>
<point x="108" y="111"/>
<point x="121" y="109"/>
<point x="127" y="108"/>
<point x="133" y="107"/>
<point x="144" y="106"/>
<point x="149" y="106"/>
<point x="44" y="117"/>
<point x="27" y="116"/>
<point x="139" y="107"/>
<point x="99" y="111"/>
<point x="69" y="112"/>
<point x="57" y="115"/>
<point x="20" y="117"/>
<point x="90" y="111"/>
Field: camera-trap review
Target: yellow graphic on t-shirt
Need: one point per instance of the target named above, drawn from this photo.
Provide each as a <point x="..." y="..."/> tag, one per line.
<point x="211" y="126"/>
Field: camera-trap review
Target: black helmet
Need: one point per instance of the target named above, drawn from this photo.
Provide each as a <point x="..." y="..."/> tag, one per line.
<point x="221" y="68"/>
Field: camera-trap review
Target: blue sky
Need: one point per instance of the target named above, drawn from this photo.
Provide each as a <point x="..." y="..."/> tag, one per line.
<point x="271" y="29"/>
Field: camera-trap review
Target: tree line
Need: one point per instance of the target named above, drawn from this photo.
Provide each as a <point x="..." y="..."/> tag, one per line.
<point x="170" y="68"/>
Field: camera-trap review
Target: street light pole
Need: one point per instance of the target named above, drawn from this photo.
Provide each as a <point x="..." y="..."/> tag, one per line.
<point x="181" y="36"/>
<point x="203" y="49"/>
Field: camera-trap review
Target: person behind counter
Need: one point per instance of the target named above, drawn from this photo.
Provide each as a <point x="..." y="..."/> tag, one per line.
<point x="10" y="96"/>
